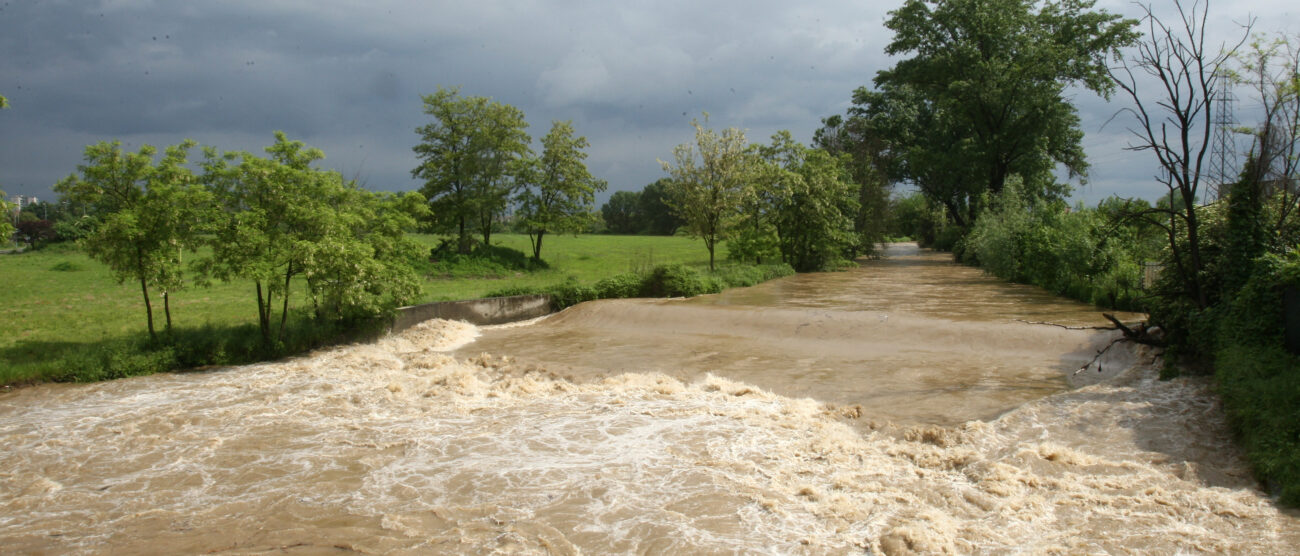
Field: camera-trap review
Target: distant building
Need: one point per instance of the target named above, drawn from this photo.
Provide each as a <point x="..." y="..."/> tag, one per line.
<point x="23" y="200"/>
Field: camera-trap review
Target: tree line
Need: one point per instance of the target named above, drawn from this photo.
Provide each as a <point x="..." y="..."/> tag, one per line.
<point x="477" y="165"/>
<point x="270" y="221"/>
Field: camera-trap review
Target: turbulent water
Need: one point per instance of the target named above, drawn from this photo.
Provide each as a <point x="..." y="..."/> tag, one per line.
<point x="778" y="419"/>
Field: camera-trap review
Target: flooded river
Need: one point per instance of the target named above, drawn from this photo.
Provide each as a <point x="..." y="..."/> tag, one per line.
<point x="909" y="406"/>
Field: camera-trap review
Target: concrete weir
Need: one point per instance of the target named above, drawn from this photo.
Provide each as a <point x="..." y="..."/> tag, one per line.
<point x="491" y="310"/>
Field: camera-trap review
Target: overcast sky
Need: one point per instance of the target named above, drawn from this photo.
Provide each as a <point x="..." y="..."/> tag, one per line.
<point x="348" y="79"/>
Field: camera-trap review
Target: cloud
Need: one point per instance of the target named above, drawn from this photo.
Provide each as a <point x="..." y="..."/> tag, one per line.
<point x="347" y="77"/>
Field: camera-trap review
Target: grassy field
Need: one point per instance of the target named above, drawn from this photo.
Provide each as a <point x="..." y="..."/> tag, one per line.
<point x="57" y="301"/>
<point x="585" y="258"/>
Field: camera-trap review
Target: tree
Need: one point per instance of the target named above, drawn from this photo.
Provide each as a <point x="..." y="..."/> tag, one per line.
<point x="359" y="264"/>
<point x="853" y="138"/>
<point x="6" y="227"/>
<point x="1176" y="128"/>
<point x="982" y="95"/>
<point x="708" y="182"/>
<point x="658" y="217"/>
<point x="149" y="215"/>
<point x="6" y="219"/>
<point x="557" y="192"/>
<point x="271" y="213"/>
<point x="811" y="202"/>
<point x="621" y="213"/>
<point x="34" y="231"/>
<point x="465" y="155"/>
<point x="1271" y="68"/>
<point x="281" y="219"/>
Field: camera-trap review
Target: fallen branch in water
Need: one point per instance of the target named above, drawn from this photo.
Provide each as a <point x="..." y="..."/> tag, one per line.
<point x="1101" y="352"/>
<point x="1141" y="333"/>
<point x="1066" y="326"/>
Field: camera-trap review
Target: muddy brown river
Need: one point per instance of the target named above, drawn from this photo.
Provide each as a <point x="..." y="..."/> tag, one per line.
<point x="908" y="406"/>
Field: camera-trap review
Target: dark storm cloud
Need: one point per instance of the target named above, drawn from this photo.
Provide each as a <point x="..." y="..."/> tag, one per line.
<point x="348" y="79"/>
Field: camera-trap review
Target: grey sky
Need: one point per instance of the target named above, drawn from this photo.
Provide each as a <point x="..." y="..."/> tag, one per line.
<point x="347" y="77"/>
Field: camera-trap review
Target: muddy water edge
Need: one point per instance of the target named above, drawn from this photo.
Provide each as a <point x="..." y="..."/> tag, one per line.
<point x="903" y="407"/>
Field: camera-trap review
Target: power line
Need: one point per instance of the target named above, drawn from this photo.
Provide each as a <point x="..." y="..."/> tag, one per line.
<point x="1223" y="153"/>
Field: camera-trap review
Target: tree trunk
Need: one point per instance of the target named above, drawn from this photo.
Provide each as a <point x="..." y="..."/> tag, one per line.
<point x="148" y="309"/>
<point x="167" y="309"/>
<point x="537" y="245"/>
<point x="709" y="244"/>
<point x="263" y="317"/>
<point x="462" y="238"/>
<point x="284" y="312"/>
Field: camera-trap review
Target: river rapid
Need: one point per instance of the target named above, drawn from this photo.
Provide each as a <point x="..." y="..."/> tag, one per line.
<point x="909" y="406"/>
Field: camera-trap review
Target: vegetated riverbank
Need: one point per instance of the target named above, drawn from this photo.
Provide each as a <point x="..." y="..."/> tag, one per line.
<point x="1235" y="333"/>
<point x="64" y="318"/>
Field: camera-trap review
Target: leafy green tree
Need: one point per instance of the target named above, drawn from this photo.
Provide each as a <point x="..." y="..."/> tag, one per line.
<point x="767" y="192"/>
<point x="6" y="219"/>
<point x="622" y="213"/>
<point x="149" y="215"/>
<point x="281" y="219"/>
<point x="359" y="265"/>
<point x="658" y="218"/>
<point x="852" y="137"/>
<point x="814" y="205"/>
<point x="557" y="192"/>
<point x="271" y="214"/>
<point x="982" y="95"/>
<point x="907" y="215"/>
<point x="466" y="154"/>
<point x="708" y="182"/>
<point x="6" y="227"/>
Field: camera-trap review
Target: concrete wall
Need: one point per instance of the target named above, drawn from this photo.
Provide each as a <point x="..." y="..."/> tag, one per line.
<point x="492" y="310"/>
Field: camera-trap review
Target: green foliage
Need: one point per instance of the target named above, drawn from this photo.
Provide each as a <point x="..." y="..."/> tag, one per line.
<point x="799" y="206"/>
<point x="467" y="156"/>
<point x="1258" y="380"/>
<point x="1077" y="254"/>
<point x="485" y="261"/>
<point x="982" y="95"/>
<point x="149" y="214"/>
<point x="670" y="280"/>
<point x="281" y="219"/>
<point x="180" y="348"/>
<point x="6" y="224"/>
<point x="708" y="182"/>
<point x="1260" y="387"/>
<point x="657" y="217"/>
<point x="620" y="213"/>
<point x="907" y="214"/>
<point x="556" y="191"/>
<point x="854" y="140"/>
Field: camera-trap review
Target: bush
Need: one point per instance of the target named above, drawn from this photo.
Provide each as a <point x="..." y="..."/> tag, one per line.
<point x="674" y="280"/>
<point x="1258" y="380"/>
<point x="1260" y="387"/>
<point x="491" y="261"/>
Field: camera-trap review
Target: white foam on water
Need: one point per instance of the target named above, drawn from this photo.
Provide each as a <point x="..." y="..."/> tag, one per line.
<point x="397" y="446"/>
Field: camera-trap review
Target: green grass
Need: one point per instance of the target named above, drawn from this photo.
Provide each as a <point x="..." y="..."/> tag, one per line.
<point x="585" y="259"/>
<point x="64" y="317"/>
